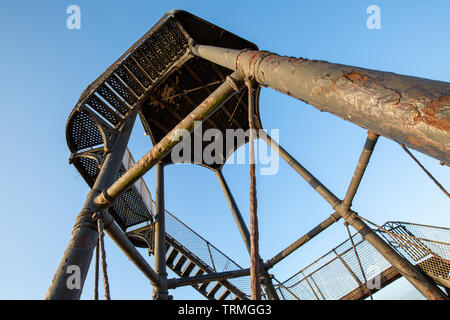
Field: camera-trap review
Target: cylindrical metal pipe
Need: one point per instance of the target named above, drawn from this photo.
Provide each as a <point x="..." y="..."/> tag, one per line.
<point x="78" y="255"/>
<point x="409" y="110"/>
<point x="363" y="161"/>
<point x="122" y="241"/>
<point x="245" y="234"/>
<point x="160" y="292"/>
<point x="211" y="104"/>
<point x="302" y="240"/>
<point x="305" y="174"/>
<point x="178" y="282"/>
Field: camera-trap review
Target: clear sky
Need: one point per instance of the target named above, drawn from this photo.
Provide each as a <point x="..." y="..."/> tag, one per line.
<point x="45" y="67"/>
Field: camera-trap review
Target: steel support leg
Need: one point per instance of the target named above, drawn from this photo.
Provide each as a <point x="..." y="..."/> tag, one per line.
<point x="303" y="239"/>
<point x="70" y="276"/>
<point x="245" y="234"/>
<point x="160" y="292"/>
<point x="266" y="280"/>
<point x="415" y="277"/>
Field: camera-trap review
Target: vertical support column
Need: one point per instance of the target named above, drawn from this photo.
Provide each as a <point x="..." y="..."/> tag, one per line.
<point x="68" y="281"/>
<point x="160" y="292"/>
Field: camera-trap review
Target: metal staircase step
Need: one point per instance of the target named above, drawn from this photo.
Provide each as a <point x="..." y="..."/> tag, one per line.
<point x="202" y="287"/>
<point x="224" y="295"/>
<point x="179" y="264"/>
<point x="199" y="272"/>
<point x="214" y="290"/>
<point x="171" y="258"/>
<point x="187" y="271"/>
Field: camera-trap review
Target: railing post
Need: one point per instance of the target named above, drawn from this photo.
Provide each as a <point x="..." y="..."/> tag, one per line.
<point x="160" y="292"/>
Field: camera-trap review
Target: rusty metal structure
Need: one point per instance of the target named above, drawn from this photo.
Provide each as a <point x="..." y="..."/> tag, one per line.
<point x="186" y="69"/>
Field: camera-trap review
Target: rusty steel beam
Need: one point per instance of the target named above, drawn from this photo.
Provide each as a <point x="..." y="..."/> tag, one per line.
<point x="302" y="240"/>
<point x="234" y="83"/>
<point x="410" y="110"/>
<point x="219" y="276"/>
<point x="243" y="230"/>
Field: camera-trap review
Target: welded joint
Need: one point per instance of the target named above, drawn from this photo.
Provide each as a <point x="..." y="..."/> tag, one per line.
<point x="172" y="283"/>
<point x="84" y="220"/>
<point x="347" y="214"/>
<point x="232" y="83"/>
<point x="107" y="199"/>
<point x="372" y="135"/>
<point x="251" y="68"/>
<point x="191" y="47"/>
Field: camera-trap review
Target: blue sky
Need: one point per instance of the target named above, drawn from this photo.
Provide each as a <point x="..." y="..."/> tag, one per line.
<point x="45" y="67"/>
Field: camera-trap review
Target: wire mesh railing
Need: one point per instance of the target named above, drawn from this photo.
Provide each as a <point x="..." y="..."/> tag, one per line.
<point x="337" y="274"/>
<point x="215" y="259"/>
<point x="423" y="245"/>
<point x="140" y="185"/>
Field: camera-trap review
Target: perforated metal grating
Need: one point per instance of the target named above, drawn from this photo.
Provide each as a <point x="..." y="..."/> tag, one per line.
<point x="426" y="246"/>
<point x="95" y="103"/>
<point x="129" y="208"/>
<point x="113" y="99"/>
<point x="123" y="85"/>
<point x="83" y="132"/>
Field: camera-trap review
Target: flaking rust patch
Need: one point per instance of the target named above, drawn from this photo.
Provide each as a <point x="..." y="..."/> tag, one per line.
<point x="431" y="114"/>
<point x="356" y="76"/>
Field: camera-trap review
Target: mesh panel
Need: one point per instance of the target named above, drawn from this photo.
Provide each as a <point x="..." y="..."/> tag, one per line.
<point x="128" y="79"/>
<point x="171" y="35"/>
<point x="429" y="249"/>
<point x="145" y="64"/>
<point x="159" y="51"/>
<point x="129" y="208"/>
<point x="166" y="45"/>
<point x="148" y="52"/>
<point x="134" y="69"/>
<point x="113" y="100"/>
<point x="337" y="274"/>
<point x="213" y="258"/>
<point x="123" y="91"/>
<point x="84" y="132"/>
<point x="103" y="110"/>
